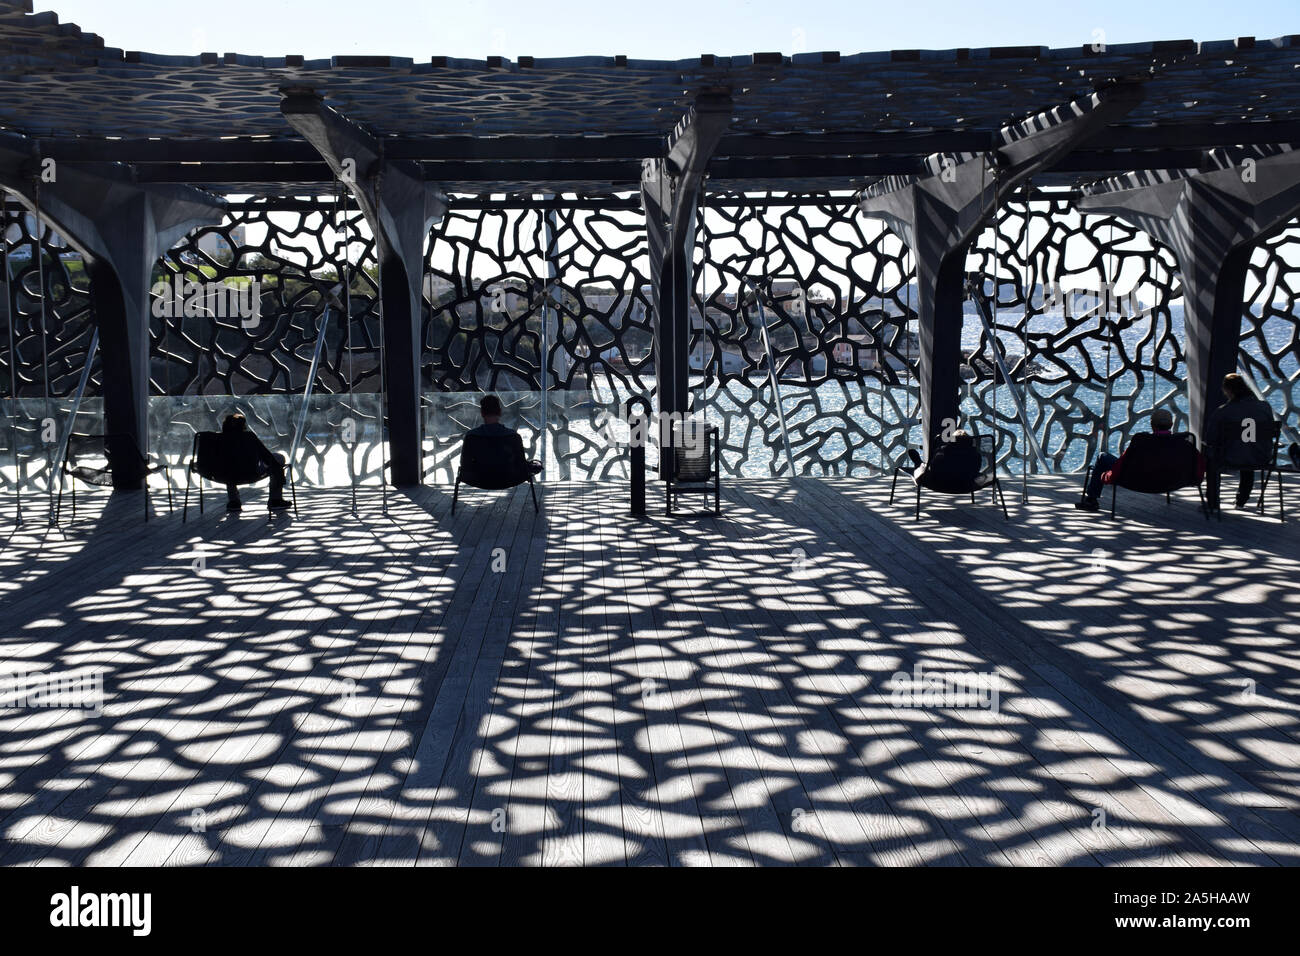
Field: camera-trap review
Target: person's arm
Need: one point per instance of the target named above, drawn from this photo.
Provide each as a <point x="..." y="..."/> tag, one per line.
<point x="521" y="460"/>
<point x="263" y="453"/>
<point x="1111" y="475"/>
<point x="1213" y="426"/>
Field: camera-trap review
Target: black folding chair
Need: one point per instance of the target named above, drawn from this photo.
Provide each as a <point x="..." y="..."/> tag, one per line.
<point x="94" y="459"/>
<point x="960" y="467"/>
<point x="1274" y="470"/>
<point x="213" y="459"/>
<point x="1157" y="465"/>
<point x="493" y="463"/>
<point x="694" y="467"/>
<point x="1261" y="456"/>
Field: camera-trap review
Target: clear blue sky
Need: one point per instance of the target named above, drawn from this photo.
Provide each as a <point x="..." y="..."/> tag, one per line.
<point x="653" y="29"/>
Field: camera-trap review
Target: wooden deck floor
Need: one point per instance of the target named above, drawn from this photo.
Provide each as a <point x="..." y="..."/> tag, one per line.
<point x="574" y="688"/>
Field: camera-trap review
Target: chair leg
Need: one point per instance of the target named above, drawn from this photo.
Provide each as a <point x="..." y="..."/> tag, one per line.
<point x="455" y="495"/>
<point x="1000" y="498"/>
<point x="1114" y="490"/>
<point x="532" y="489"/>
<point x="185" y="511"/>
<point x="200" y="494"/>
<point x="1205" y="508"/>
<point x="293" y="494"/>
<point x="892" y="485"/>
<point x="917" y="515"/>
<point x="146" y="499"/>
<point x="1281" y="500"/>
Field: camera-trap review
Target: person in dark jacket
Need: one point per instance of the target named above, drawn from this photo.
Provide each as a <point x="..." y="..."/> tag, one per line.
<point x="1107" y="466"/>
<point x="490" y="408"/>
<point x="241" y="444"/>
<point x="1235" y="438"/>
<point x="954" y="465"/>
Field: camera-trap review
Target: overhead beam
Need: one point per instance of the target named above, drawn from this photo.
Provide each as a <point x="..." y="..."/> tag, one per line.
<point x="400" y="208"/>
<point x="491" y="172"/>
<point x="1198" y="136"/>
<point x="1211" y="219"/>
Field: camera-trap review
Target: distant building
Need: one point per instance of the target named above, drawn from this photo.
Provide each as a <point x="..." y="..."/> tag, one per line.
<point x="215" y="246"/>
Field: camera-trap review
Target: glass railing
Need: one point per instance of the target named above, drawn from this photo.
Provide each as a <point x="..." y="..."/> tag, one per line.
<point x="575" y="433"/>
<point x="339" y="441"/>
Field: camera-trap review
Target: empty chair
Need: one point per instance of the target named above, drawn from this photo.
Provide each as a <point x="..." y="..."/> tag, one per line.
<point x="1261" y="456"/>
<point x="694" y="464"/>
<point x="962" y="466"/>
<point x="228" y="459"/>
<point x="493" y="462"/>
<point x="95" y="459"/>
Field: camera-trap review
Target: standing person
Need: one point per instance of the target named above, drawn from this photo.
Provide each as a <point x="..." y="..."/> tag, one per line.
<point x="241" y="444"/>
<point x="490" y="408"/>
<point x="1235" y="438"/>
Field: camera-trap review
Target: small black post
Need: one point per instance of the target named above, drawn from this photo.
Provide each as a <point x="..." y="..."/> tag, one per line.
<point x="638" y="425"/>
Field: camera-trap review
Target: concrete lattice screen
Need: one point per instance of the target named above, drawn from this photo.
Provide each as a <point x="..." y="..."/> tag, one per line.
<point x="504" y="282"/>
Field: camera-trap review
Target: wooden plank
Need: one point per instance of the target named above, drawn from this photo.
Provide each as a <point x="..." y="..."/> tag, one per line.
<point x="523" y="692"/>
<point x="73" y="803"/>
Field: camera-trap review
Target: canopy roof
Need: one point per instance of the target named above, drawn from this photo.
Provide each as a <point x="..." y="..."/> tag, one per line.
<point x="582" y="124"/>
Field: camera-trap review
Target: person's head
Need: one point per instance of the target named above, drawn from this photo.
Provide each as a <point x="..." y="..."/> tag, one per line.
<point x="1162" y="420"/>
<point x="235" y="422"/>
<point x="1235" y="387"/>
<point x="490" y="407"/>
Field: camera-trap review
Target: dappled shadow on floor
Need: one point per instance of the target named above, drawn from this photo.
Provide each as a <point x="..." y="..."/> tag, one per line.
<point x="499" y="687"/>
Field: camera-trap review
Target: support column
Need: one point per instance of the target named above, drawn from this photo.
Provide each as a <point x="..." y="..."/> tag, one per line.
<point x="121" y="230"/>
<point x="1211" y="219"/>
<point x="669" y="188"/>
<point x="400" y="208"/>
<point x="938" y="212"/>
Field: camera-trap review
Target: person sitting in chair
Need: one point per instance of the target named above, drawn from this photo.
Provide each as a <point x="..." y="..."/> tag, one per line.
<point x="241" y="443"/>
<point x="1232" y="437"/>
<point x="1107" y="466"/>
<point x="490" y="408"/>
<point x="953" y="467"/>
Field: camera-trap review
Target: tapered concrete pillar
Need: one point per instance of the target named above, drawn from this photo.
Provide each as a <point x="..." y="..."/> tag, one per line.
<point x="939" y="212"/>
<point x="670" y="186"/>
<point x="400" y="208"/>
<point x="1211" y="219"/>
<point x="121" y="229"/>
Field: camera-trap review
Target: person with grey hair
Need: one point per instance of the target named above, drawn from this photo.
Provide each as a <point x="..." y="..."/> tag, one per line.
<point x="1107" y="466"/>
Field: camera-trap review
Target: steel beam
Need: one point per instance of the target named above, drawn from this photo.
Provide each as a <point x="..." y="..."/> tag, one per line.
<point x="902" y="143"/>
<point x="670" y="186"/>
<point x="121" y="228"/>
<point x="939" y="213"/>
<point x="400" y="208"/>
